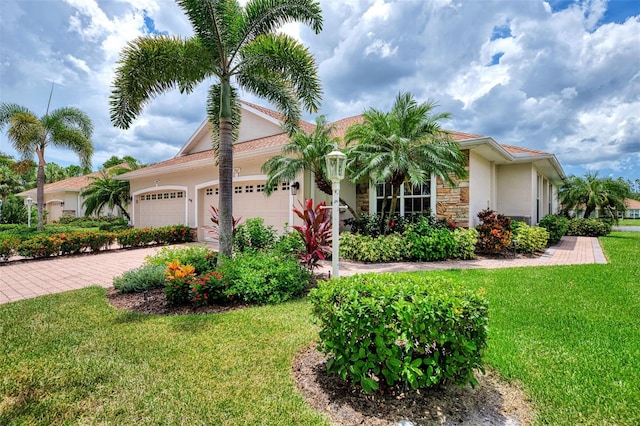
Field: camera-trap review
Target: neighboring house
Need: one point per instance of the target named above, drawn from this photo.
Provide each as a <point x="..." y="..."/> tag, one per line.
<point x="518" y="182"/>
<point x="633" y="208"/>
<point x="62" y="198"/>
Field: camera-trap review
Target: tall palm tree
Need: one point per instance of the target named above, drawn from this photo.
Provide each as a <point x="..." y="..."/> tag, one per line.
<point x="232" y="44"/>
<point x="304" y="151"/>
<point x="591" y="193"/>
<point x="405" y="145"/>
<point x="105" y="190"/>
<point x="66" y="127"/>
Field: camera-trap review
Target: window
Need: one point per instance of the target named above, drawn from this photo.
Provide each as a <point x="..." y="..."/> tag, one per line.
<point x="217" y="190"/>
<point x="238" y="190"/>
<point x="413" y="199"/>
<point x="172" y="195"/>
<point x="248" y="188"/>
<point x="180" y="194"/>
<point x="285" y="186"/>
<point x="153" y="196"/>
<point x="260" y="188"/>
<point x="208" y="191"/>
<point x="165" y="195"/>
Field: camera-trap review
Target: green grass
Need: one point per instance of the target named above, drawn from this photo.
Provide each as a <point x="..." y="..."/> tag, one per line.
<point x="629" y="222"/>
<point x="569" y="334"/>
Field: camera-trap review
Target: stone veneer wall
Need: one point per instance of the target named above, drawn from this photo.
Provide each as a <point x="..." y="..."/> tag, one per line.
<point x="362" y="197"/>
<point x="453" y="202"/>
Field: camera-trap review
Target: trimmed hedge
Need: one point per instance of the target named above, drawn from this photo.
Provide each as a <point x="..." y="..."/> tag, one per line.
<point x="588" y="228"/>
<point x="531" y="239"/>
<point x="364" y="248"/>
<point x="400" y="329"/>
<point x="556" y="226"/>
<point x="466" y="239"/>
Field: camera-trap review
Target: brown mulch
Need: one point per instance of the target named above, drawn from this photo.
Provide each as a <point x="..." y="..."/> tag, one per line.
<point x="493" y="402"/>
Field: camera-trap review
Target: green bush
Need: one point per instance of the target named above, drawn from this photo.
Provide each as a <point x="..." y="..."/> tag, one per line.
<point x="400" y="329"/>
<point x="588" y="228"/>
<point x="209" y="288"/>
<point x="364" y="248"/>
<point x="172" y="234"/>
<point x="556" y="226"/>
<point x="263" y="277"/>
<point x="289" y="243"/>
<point x="40" y="246"/>
<point x="429" y="243"/>
<point x="530" y="239"/>
<point x="201" y="257"/>
<point x="253" y="235"/>
<point x="494" y="233"/>
<point x="466" y="240"/>
<point x="144" y="278"/>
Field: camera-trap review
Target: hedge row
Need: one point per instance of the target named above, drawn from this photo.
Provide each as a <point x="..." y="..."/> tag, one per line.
<point x="41" y="246"/>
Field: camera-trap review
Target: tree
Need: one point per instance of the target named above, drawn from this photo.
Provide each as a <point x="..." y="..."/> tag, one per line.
<point x="405" y="145"/>
<point x="54" y="173"/>
<point x="116" y="161"/>
<point x="591" y="193"/>
<point x="231" y="44"/>
<point x="105" y="190"/>
<point x="304" y="152"/>
<point x="66" y="127"/>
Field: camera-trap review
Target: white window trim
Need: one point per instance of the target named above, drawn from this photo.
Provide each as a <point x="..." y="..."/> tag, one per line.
<point x="373" y="201"/>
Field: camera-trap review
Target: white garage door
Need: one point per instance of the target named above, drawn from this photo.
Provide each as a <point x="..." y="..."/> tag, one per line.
<point x="160" y="208"/>
<point x="249" y="201"/>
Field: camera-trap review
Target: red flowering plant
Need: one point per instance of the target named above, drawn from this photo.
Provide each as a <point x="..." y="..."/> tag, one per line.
<point x="494" y="233"/>
<point x="208" y="288"/>
<point x="315" y="232"/>
<point x="215" y="219"/>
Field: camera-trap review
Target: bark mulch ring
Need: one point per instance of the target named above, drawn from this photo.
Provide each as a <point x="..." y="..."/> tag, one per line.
<point x="493" y="402"/>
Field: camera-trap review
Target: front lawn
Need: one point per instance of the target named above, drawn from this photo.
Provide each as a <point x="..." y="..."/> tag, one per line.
<point x="629" y="222"/>
<point x="569" y="334"/>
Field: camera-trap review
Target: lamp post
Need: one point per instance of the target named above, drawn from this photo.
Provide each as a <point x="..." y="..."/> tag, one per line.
<point x="29" y="204"/>
<point x="336" y="162"/>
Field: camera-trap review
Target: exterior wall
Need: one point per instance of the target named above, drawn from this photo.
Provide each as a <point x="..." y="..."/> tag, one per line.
<point x="452" y="202"/>
<point x="481" y="188"/>
<point x="516" y="186"/>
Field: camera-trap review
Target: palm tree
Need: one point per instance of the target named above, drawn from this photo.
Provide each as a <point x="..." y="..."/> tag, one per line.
<point x="66" y="127"/>
<point x="591" y="193"/>
<point x="405" y="145"/>
<point x="304" y="152"/>
<point x="231" y="44"/>
<point x="105" y="190"/>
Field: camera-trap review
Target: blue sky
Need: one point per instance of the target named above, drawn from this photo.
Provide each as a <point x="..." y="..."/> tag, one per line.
<point x="558" y="76"/>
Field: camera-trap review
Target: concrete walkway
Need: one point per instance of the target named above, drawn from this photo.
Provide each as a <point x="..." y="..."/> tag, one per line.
<point x="27" y="279"/>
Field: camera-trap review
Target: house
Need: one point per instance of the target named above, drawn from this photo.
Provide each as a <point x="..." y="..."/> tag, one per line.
<point x="62" y="198"/>
<point x="633" y="208"/>
<point x="514" y="181"/>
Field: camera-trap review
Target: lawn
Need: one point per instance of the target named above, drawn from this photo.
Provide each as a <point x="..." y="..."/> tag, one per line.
<point x="568" y="334"/>
<point x="629" y="222"/>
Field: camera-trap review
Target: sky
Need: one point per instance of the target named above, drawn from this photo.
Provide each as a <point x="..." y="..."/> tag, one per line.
<point x="561" y="76"/>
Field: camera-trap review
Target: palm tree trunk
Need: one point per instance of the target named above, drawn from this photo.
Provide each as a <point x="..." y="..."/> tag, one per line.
<point x="225" y="161"/>
<point x="40" y="189"/>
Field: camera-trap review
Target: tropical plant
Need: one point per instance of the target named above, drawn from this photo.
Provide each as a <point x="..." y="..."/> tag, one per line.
<point x="494" y="233"/>
<point x="403" y="146"/>
<point x="230" y="42"/>
<point x="305" y="152"/>
<point x="66" y="127"/>
<point x="215" y="220"/>
<point x="105" y="190"/>
<point x="591" y="193"/>
<point x="315" y="232"/>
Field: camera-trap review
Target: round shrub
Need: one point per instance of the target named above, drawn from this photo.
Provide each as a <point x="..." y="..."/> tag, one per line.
<point x="556" y="226"/>
<point x="364" y="248"/>
<point x="430" y="244"/>
<point x="466" y="240"/>
<point x="146" y="277"/>
<point x="400" y="329"/>
<point x="201" y="257"/>
<point x="531" y="239"/>
<point x="580" y="227"/>
<point x="264" y="277"/>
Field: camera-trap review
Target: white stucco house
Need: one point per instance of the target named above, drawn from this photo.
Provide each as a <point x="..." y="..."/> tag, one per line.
<point x="514" y="181"/>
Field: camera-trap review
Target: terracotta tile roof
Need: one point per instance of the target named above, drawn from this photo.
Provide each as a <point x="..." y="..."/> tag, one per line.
<point x="304" y="125"/>
<point x="518" y="150"/>
<point x="632" y="204"/>
<point x="76" y="183"/>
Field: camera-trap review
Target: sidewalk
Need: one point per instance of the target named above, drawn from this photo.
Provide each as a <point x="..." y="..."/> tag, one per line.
<point x="23" y="280"/>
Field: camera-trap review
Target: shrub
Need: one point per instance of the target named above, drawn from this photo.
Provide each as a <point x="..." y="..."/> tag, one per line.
<point x="556" y="226"/>
<point x="253" y="235"/>
<point x="466" y="240"/>
<point x="172" y="234"/>
<point x="494" y="233"/>
<point x="315" y="232"/>
<point x="144" y="278"/>
<point x="531" y="239"/>
<point x="40" y="246"/>
<point x="400" y="329"/>
<point x="373" y="225"/>
<point x="263" y="277"/>
<point x="208" y="288"/>
<point x="8" y="247"/>
<point x="588" y="228"/>
<point x="289" y="243"/>
<point x="136" y="237"/>
<point x="201" y="257"/>
<point x="430" y="244"/>
<point x="364" y="248"/>
<point x="178" y="282"/>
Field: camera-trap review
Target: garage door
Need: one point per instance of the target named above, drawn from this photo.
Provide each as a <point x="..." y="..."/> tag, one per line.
<point x="249" y="201"/>
<point x="160" y="208"/>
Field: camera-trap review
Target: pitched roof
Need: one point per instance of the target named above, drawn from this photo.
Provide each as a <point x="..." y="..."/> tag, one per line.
<point x="304" y="125"/>
<point x="632" y="204"/>
<point x="76" y="183"/>
<point x="516" y="150"/>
